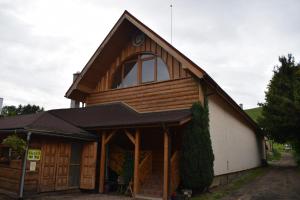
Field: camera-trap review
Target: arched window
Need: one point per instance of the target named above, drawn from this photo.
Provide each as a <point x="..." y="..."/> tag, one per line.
<point x="144" y="68"/>
<point x="162" y="70"/>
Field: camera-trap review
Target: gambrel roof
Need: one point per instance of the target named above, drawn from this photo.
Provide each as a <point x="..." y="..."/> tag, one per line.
<point x="86" y="80"/>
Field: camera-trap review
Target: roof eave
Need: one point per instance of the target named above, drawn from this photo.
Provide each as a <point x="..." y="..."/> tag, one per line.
<point x="142" y="125"/>
<point x="229" y="100"/>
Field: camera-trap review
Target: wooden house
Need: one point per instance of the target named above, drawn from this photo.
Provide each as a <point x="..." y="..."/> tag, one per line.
<point x="137" y="91"/>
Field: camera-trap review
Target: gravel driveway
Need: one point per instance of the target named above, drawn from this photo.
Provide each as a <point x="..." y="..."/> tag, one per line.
<point x="282" y="181"/>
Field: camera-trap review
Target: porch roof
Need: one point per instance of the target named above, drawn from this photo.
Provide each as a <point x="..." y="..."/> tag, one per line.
<point x="43" y="123"/>
<point x="119" y="115"/>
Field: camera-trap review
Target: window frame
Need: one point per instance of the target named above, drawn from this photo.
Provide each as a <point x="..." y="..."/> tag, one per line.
<point x="153" y="57"/>
<point x="139" y="60"/>
<point x="123" y="71"/>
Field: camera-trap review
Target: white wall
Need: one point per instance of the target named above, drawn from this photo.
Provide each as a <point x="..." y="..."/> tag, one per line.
<point x="1" y="104"/>
<point x="234" y="143"/>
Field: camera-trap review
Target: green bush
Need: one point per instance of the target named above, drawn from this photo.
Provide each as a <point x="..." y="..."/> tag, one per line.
<point x="276" y="155"/>
<point x="17" y="145"/>
<point x="296" y="149"/>
<point x="197" y="155"/>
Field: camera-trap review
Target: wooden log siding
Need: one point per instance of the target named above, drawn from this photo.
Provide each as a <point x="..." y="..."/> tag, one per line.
<point x="175" y="69"/>
<point x="9" y="178"/>
<point x="167" y="95"/>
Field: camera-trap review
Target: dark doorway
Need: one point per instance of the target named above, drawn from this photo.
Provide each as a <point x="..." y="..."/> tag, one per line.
<point x="74" y="172"/>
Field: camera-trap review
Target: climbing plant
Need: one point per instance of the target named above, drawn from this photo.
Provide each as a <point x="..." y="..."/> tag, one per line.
<point x="197" y="155"/>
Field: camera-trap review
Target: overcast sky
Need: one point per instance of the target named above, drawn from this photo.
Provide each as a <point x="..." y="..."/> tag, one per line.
<point x="43" y="42"/>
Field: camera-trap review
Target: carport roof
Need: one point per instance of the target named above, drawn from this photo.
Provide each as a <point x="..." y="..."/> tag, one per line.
<point x="44" y="123"/>
<point x="118" y="114"/>
<point x="73" y="122"/>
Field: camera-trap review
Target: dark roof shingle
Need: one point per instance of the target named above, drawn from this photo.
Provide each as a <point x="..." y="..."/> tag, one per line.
<point x="44" y="122"/>
<point x="117" y="114"/>
<point x="71" y="122"/>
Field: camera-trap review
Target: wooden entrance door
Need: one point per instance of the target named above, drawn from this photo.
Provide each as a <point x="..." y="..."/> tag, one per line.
<point x="88" y="166"/>
<point x="55" y="166"/>
<point x="48" y="167"/>
<point x="62" y="166"/>
<point x="74" y="171"/>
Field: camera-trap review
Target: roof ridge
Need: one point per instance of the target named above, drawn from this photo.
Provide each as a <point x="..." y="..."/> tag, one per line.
<point x="58" y="117"/>
<point x="34" y="121"/>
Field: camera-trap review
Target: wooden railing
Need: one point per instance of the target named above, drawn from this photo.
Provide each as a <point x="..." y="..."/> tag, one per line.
<point x="145" y="167"/>
<point x="175" y="176"/>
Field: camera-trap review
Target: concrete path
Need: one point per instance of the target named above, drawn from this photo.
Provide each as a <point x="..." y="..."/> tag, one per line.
<point x="282" y="181"/>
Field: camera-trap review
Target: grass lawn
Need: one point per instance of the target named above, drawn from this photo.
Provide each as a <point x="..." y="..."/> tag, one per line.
<point x="276" y="155"/>
<point x="223" y="191"/>
<point x="254" y="113"/>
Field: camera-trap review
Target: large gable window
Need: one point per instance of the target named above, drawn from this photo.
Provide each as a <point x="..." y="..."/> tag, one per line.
<point x="162" y="70"/>
<point x="130" y="74"/>
<point x="148" y="69"/>
<point x="145" y="68"/>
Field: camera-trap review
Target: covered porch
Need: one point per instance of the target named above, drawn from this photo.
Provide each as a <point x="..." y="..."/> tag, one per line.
<point x="155" y="154"/>
<point x="153" y="139"/>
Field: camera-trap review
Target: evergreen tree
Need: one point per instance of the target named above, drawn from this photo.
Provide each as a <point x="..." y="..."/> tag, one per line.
<point x="281" y="112"/>
<point x="21" y="110"/>
<point x="197" y="155"/>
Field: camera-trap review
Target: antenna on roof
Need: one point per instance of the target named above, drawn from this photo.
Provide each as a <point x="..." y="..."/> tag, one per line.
<point x="171" y="6"/>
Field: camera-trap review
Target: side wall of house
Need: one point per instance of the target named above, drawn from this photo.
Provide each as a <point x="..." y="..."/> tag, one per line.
<point x="235" y="145"/>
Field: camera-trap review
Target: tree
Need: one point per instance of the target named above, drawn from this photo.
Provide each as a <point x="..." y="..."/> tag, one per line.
<point x="197" y="155"/>
<point x="9" y="111"/>
<point x="21" y="110"/>
<point x="17" y="144"/>
<point x="281" y="112"/>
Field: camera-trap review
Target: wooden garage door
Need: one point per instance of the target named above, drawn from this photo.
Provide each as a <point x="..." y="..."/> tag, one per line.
<point x="88" y="166"/>
<point x="55" y="166"/>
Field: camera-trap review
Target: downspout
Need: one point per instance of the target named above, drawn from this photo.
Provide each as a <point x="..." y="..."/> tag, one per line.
<point x="21" y="189"/>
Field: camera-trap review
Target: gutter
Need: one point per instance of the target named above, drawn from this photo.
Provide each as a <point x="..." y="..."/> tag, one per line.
<point x="57" y="134"/>
<point x="46" y="133"/>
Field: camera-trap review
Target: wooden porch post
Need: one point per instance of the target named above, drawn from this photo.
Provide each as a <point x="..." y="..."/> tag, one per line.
<point x="166" y="166"/>
<point x="136" y="163"/>
<point x="102" y="163"/>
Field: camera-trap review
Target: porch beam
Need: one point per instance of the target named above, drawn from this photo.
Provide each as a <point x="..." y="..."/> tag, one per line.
<point x="102" y="163"/>
<point x="109" y="136"/>
<point x="136" y="177"/>
<point x="166" y="166"/>
<point x="129" y="135"/>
